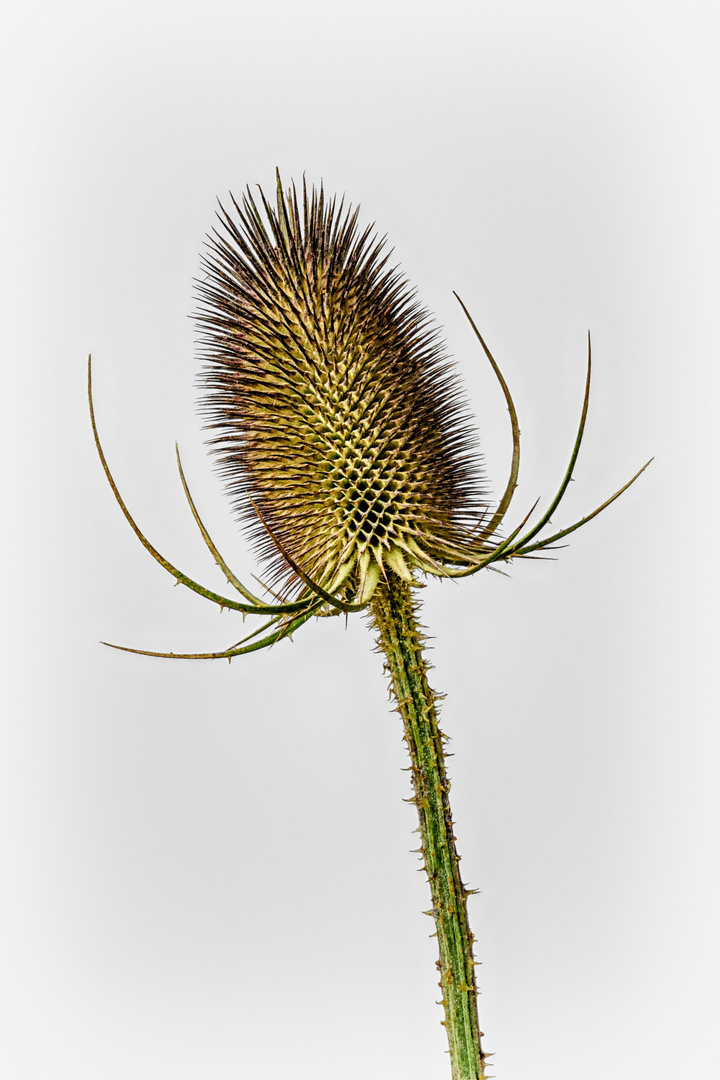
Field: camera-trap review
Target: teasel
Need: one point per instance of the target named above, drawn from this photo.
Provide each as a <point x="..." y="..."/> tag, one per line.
<point x="342" y="436"/>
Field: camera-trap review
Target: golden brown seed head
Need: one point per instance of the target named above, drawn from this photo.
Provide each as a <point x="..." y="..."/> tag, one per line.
<point x="337" y="412"/>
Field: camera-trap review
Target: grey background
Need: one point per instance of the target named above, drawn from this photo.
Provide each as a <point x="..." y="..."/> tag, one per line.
<point x="205" y="868"/>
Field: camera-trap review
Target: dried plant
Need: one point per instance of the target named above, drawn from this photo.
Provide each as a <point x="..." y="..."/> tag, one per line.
<point x="342" y="436"/>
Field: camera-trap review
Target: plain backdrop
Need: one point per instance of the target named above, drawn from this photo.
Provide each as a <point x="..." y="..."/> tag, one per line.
<point x="205" y="867"/>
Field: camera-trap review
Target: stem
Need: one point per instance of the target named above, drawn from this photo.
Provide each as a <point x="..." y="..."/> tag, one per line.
<point x="394" y="616"/>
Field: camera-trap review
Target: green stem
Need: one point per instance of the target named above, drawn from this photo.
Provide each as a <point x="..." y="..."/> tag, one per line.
<point x="394" y="616"/>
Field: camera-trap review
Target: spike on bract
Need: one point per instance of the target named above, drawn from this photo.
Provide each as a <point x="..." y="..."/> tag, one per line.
<point x="335" y="409"/>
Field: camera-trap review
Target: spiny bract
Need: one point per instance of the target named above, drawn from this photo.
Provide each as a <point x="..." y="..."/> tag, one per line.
<point x="337" y="411"/>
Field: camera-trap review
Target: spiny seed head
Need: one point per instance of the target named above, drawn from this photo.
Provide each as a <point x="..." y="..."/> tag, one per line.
<point x="337" y="413"/>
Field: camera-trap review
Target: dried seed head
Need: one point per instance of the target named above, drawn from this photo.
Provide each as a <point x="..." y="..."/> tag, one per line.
<point x="337" y="412"/>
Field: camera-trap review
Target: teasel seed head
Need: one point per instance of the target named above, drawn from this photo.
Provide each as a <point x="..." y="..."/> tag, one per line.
<point x="341" y="429"/>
